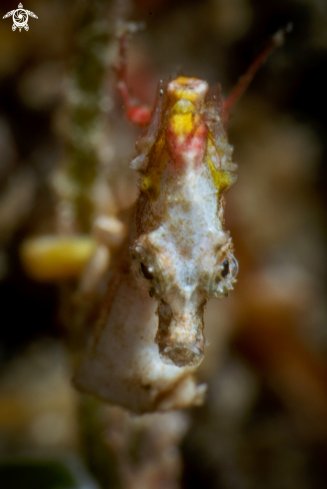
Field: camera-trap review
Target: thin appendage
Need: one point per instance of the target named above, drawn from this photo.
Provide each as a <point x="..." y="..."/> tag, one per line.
<point x="245" y="80"/>
<point x="136" y="113"/>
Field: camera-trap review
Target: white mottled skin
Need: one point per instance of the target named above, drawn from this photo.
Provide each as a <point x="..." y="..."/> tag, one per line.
<point x="123" y="366"/>
<point x="177" y="253"/>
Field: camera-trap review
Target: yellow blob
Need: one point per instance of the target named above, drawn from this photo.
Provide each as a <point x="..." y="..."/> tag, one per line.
<point x="183" y="80"/>
<point x="184" y="89"/>
<point x="182" y="121"/>
<point x="182" y="107"/>
<point x="181" y="124"/>
<point x="52" y="258"/>
<point x="145" y="184"/>
<point x="222" y="179"/>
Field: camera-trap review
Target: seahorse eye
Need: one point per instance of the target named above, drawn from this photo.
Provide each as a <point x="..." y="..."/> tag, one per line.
<point x="147" y="272"/>
<point x="225" y="270"/>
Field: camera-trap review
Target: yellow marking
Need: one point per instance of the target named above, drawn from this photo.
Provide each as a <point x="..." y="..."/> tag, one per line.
<point x="182" y="107"/>
<point x="186" y="88"/>
<point x="183" y="80"/>
<point x="145" y="184"/>
<point x="181" y="124"/>
<point x="182" y="120"/>
<point x="222" y="179"/>
<point x="186" y="92"/>
<point x="51" y="258"/>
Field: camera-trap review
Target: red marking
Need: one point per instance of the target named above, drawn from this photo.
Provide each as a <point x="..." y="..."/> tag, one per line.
<point x="141" y="114"/>
<point x="138" y="115"/>
<point x="135" y="112"/>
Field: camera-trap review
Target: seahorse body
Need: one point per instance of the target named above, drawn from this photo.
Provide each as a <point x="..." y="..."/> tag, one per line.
<point x="181" y="245"/>
<point x="150" y="337"/>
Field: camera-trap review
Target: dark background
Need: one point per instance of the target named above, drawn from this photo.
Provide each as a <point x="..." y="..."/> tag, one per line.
<point x="264" y="422"/>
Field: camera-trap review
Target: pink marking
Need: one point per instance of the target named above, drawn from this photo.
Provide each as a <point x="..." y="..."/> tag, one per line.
<point x="187" y="150"/>
<point x="135" y="112"/>
<point x="138" y="114"/>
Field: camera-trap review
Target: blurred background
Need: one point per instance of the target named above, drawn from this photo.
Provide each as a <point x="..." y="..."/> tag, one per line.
<point x="264" y="422"/>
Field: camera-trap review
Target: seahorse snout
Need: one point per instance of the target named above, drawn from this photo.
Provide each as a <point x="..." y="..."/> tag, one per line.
<point x="180" y="336"/>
